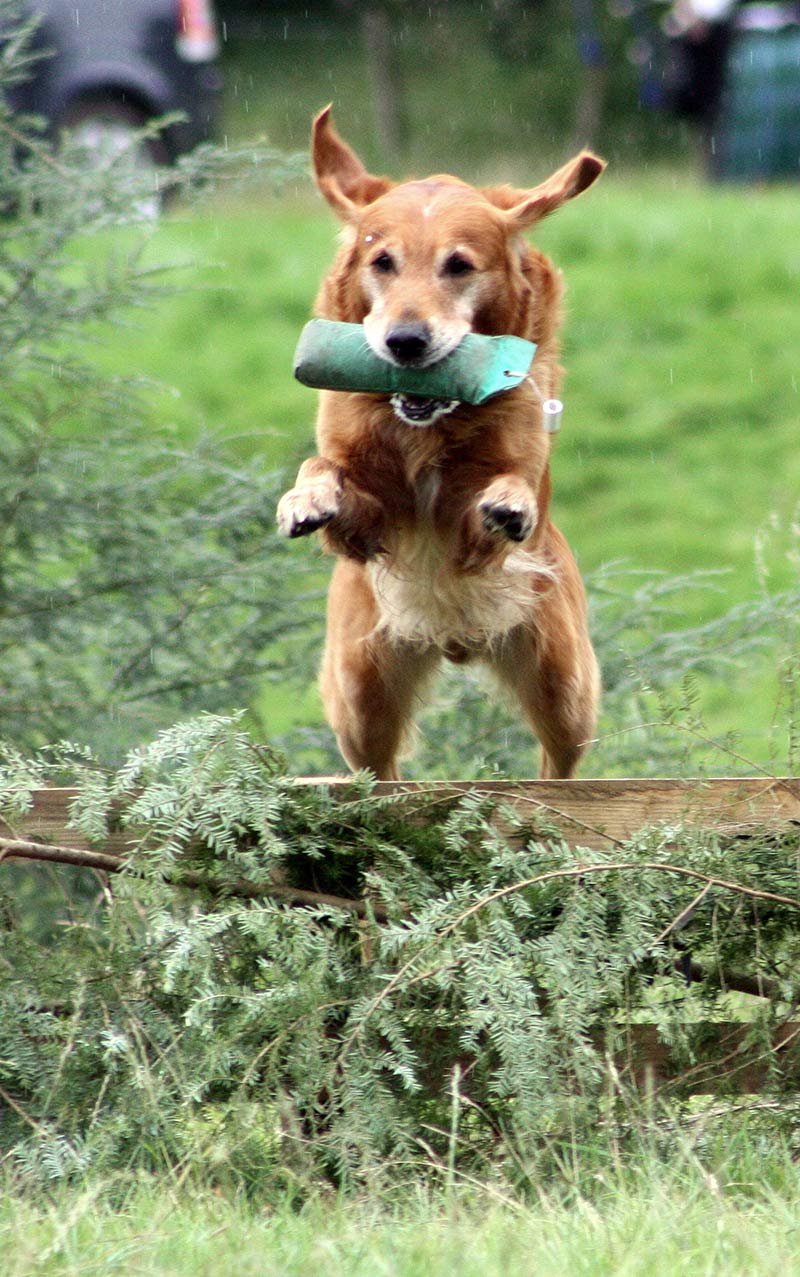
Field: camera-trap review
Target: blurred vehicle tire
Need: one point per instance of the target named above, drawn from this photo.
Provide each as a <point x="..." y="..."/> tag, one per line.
<point x="110" y="66"/>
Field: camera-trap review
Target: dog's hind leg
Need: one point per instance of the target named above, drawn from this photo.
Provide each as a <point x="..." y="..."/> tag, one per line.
<point x="369" y="680"/>
<point x="556" y="679"/>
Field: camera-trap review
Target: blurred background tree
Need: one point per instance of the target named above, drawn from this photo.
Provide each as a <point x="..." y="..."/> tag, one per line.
<point x="456" y="82"/>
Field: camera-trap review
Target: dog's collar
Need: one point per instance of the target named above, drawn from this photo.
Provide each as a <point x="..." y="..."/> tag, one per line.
<point x="419" y="412"/>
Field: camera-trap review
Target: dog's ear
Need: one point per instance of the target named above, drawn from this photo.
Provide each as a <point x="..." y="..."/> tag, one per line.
<point x="339" y="173"/>
<point x="523" y="208"/>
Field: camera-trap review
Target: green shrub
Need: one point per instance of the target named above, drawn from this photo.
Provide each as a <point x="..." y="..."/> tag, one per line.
<point x="444" y="1002"/>
<point x="140" y="576"/>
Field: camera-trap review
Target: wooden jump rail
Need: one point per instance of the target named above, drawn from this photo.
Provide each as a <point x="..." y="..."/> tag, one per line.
<point x="596" y="814"/>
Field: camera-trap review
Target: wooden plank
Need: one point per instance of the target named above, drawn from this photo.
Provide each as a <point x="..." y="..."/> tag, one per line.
<point x="48" y="819"/>
<point x="728" y="1060"/>
<point x="602" y="813"/>
<point x="589" y="813"/>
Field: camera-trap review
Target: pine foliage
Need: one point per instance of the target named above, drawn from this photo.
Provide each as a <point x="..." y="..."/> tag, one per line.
<point x="466" y="1015"/>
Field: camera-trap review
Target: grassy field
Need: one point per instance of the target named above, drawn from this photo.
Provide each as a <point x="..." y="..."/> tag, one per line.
<point x="524" y="60"/>
<point x="659" y="1223"/>
<point x="679" y="447"/>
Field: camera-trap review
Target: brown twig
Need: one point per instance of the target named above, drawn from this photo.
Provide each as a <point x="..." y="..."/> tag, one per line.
<point x="39" y="151"/>
<point x="19" y="1110"/>
<point x="685" y="915"/>
<point x="22" y="849"/>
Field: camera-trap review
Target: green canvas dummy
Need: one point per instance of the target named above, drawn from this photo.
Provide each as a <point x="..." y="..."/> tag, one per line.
<point x="336" y="356"/>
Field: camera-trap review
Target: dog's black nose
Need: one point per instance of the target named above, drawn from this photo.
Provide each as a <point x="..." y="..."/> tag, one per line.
<point x="409" y="343"/>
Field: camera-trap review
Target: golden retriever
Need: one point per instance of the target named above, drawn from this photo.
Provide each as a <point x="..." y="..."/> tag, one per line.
<point x="438" y="513"/>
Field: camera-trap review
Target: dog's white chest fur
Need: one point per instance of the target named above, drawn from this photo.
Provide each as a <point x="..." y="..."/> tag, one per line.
<point x="422" y="599"/>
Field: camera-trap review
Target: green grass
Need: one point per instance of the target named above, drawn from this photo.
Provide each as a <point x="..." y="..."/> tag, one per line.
<point x="218" y="346"/>
<point x="655" y="1223"/>
<point x="683" y="373"/>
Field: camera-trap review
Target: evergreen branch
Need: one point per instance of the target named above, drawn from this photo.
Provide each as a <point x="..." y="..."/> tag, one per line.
<point x="580" y="871"/>
<point x="43" y="153"/>
<point x="21" y="849"/>
<point x="19" y="1110"/>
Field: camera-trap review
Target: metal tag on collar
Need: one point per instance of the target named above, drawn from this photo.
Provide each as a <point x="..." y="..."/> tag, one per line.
<point x="552" y="410"/>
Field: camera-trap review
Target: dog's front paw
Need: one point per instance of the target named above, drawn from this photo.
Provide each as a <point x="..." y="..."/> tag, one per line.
<point x="308" y="507"/>
<point x="510" y="519"/>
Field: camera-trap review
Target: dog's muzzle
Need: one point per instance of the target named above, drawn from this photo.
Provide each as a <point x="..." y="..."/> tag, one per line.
<point x="416" y="411"/>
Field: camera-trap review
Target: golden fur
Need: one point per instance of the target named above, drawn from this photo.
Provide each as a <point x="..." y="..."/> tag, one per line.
<point x="443" y="541"/>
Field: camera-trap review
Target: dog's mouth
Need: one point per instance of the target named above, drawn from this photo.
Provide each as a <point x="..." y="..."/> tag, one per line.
<point x="417" y="411"/>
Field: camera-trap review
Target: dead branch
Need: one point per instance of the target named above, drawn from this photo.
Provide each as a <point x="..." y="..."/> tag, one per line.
<point x="21" y="849"/>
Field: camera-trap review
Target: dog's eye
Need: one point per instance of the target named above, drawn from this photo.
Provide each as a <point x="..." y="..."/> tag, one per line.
<point x="384" y="263"/>
<point x="457" y="264"/>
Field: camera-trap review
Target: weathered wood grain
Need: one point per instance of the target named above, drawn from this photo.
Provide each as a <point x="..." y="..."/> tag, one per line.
<point x="602" y="813"/>
<point x="48" y="821"/>
<point x="597" y="814"/>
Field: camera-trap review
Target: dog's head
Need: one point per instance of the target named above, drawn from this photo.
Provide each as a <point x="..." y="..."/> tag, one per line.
<point x="429" y="261"/>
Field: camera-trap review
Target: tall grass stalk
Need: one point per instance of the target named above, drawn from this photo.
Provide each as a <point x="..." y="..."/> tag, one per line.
<point x="739" y="1217"/>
